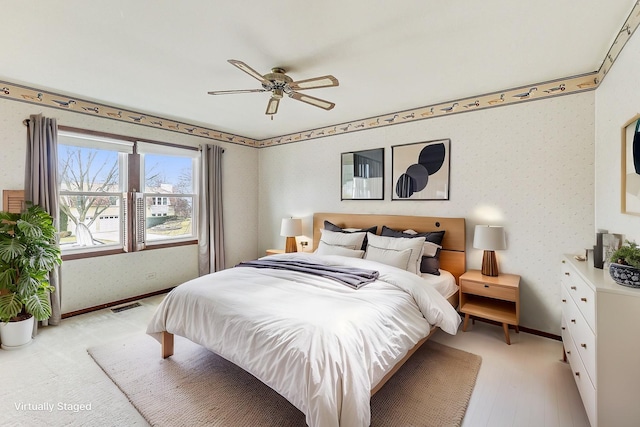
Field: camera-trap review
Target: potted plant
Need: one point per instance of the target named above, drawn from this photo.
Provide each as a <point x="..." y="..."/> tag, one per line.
<point x="28" y="253"/>
<point x="625" y="265"/>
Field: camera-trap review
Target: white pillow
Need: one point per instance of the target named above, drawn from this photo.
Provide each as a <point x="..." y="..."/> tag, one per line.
<point x="392" y="257"/>
<point x="430" y="249"/>
<point x="346" y="240"/>
<point x="415" y="244"/>
<point x="325" y="249"/>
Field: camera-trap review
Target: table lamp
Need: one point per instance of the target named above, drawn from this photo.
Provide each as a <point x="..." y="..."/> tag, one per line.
<point x="290" y="228"/>
<point x="490" y="238"/>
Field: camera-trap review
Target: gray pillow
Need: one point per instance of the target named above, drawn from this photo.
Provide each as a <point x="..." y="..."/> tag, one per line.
<point x="430" y="236"/>
<point x="431" y="264"/>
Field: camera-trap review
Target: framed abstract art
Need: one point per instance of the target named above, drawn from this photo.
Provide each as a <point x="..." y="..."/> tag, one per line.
<point x="420" y="171"/>
<point x="362" y="175"/>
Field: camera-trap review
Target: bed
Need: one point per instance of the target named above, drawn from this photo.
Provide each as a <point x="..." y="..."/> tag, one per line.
<point x="324" y="346"/>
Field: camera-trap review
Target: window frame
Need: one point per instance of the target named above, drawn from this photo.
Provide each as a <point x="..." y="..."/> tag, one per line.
<point x="132" y="172"/>
<point x="164" y="197"/>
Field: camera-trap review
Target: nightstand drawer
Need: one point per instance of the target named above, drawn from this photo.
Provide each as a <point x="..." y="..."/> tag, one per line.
<point x="488" y="290"/>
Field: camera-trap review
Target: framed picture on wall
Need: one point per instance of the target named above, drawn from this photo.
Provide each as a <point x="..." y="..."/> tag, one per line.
<point x="631" y="167"/>
<point x="420" y="171"/>
<point x="363" y="175"/>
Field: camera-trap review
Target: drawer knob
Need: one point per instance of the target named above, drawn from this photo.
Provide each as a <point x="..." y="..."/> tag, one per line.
<point x="563" y="328"/>
<point x="566" y="273"/>
<point x="583" y="299"/>
<point x="573" y="320"/>
<point x="583" y="345"/>
<point x="563" y="261"/>
<point x="564" y="300"/>
<point x="486" y="286"/>
<point x="577" y="374"/>
<point x="568" y="351"/>
<point x="573" y="288"/>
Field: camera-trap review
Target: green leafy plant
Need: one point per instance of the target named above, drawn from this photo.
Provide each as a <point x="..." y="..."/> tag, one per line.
<point x="627" y="254"/>
<point x="28" y="252"/>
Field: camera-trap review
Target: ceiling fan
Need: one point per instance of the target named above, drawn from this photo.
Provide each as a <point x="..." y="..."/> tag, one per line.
<point x="279" y="84"/>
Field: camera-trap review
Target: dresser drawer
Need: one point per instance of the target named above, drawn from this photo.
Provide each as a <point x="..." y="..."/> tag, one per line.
<point x="583" y="337"/>
<point x="488" y="290"/>
<point x="581" y="293"/>
<point x="585" y="387"/>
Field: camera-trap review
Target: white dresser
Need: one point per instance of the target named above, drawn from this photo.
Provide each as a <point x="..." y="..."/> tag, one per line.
<point x="601" y="337"/>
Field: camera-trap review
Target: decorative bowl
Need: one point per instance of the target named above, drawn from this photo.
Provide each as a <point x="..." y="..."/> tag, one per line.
<point x="625" y="275"/>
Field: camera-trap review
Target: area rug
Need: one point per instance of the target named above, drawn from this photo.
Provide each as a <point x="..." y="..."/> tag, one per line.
<point x="196" y="387"/>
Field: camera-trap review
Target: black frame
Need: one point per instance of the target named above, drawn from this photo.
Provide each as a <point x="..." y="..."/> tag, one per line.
<point x="371" y="164"/>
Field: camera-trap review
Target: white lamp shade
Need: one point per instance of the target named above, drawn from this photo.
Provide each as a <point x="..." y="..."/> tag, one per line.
<point x="489" y="238"/>
<point x="291" y="227"/>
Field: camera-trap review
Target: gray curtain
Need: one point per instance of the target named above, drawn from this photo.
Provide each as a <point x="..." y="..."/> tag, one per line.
<point x="210" y="234"/>
<point x="41" y="187"/>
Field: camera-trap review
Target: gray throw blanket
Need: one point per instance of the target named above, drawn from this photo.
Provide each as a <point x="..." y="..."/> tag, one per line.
<point x="350" y="276"/>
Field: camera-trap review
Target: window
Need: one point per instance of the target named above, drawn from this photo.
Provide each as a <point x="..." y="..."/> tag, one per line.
<point x="92" y="175"/>
<point x="167" y="180"/>
<point x="97" y="207"/>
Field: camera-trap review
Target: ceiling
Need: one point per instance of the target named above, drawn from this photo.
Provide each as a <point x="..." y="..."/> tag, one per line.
<point x="161" y="57"/>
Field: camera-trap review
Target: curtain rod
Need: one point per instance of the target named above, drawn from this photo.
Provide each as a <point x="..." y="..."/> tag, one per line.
<point x="168" y="144"/>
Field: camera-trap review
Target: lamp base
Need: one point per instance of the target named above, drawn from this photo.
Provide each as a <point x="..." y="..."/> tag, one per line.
<point x="291" y="245"/>
<point x="489" y="264"/>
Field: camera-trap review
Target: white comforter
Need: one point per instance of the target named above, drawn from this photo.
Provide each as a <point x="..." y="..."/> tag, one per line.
<point x="320" y="344"/>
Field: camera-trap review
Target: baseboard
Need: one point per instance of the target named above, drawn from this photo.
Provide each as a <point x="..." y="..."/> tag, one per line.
<point x="114" y="303"/>
<point x="522" y="328"/>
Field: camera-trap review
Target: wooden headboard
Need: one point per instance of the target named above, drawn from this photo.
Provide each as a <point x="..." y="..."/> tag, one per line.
<point x="452" y="255"/>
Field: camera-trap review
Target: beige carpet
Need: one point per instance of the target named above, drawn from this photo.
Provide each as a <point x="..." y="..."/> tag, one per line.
<point x="196" y="387"/>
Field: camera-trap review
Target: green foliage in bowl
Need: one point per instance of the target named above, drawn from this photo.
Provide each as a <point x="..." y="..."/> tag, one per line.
<point x="627" y="254"/>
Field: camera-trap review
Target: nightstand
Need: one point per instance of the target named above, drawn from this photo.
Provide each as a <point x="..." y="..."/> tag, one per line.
<point x="275" y="251"/>
<point x="493" y="298"/>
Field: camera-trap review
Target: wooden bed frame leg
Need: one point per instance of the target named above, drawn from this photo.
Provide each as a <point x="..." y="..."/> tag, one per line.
<point x="167" y="344"/>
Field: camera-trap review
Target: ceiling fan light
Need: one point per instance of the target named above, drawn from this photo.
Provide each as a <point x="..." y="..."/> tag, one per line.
<point x="272" y="106"/>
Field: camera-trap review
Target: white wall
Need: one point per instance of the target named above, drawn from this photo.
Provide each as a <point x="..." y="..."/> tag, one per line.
<point x="528" y="167"/>
<point x="95" y="281"/>
<point x="617" y="101"/>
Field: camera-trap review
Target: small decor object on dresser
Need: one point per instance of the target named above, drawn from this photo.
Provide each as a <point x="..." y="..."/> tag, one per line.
<point x="625" y="265"/>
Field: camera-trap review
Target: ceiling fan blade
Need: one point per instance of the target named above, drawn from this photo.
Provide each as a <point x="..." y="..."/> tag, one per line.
<point x="316" y="102"/>
<point x="244" y="67"/>
<point x="227" y="92"/>
<point x="272" y="106"/>
<point x="316" y="82"/>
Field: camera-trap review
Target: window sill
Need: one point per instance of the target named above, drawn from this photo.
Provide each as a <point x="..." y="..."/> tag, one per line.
<point x="94" y="254"/>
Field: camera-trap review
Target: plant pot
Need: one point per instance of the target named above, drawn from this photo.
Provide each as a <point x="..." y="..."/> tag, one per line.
<point x="15" y="335"/>
<point x="625" y="275"/>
